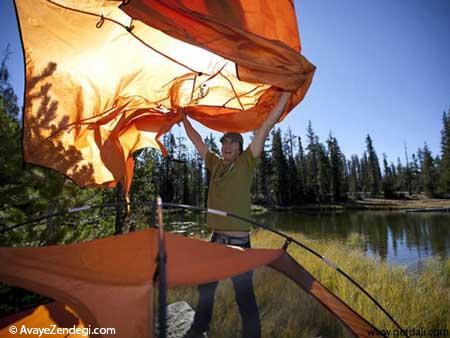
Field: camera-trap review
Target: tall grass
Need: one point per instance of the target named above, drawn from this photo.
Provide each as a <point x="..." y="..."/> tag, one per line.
<point x="415" y="301"/>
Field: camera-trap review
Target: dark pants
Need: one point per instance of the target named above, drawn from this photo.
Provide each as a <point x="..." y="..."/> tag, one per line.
<point x="245" y="297"/>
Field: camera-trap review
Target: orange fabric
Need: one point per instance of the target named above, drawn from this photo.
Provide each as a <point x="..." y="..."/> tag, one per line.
<point x="44" y="317"/>
<point x="260" y="36"/>
<point x="101" y="278"/>
<point x="101" y="85"/>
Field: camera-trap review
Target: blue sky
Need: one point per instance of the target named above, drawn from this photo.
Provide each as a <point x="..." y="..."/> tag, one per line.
<point x="383" y="68"/>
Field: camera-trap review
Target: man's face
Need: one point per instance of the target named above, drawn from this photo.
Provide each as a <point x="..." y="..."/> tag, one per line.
<point x="230" y="149"/>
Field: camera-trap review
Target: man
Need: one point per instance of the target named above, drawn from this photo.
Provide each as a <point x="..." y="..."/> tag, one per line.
<point x="229" y="190"/>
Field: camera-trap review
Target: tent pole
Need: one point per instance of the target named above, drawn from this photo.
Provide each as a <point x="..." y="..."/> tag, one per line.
<point x="162" y="254"/>
<point x="161" y="267"/>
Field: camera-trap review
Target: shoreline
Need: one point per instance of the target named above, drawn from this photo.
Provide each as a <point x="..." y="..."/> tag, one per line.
<point x="380" y="204"/>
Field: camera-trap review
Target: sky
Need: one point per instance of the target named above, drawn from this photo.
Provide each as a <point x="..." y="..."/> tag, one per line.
<point x="383" y="68"/>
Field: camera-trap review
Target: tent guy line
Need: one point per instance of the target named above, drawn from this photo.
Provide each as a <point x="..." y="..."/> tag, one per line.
<point x="129" y="29"/>
<point x="288" y="239"/>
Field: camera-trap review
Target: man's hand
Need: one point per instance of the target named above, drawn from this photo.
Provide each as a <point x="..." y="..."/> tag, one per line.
<point x="258" y="141"/>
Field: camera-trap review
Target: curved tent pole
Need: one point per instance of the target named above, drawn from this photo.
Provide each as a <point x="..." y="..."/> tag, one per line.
<point x="224" y="214"/>
<point x="55" y="214"/>
<point x="292" y="240"/>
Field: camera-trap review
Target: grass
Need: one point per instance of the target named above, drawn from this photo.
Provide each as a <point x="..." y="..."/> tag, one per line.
<point x="415" y="301"/>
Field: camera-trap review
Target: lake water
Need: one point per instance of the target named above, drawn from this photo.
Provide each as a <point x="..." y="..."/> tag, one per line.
<point x="396" y="237"/>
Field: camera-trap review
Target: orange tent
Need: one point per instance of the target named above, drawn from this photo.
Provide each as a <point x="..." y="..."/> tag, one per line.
<point x="108" y="283"/>
<point x="104" y="79"/>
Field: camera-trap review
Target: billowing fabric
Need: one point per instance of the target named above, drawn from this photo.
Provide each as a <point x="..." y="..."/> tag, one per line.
<point x="109" y="282"/>
<point x="101" y="85"/>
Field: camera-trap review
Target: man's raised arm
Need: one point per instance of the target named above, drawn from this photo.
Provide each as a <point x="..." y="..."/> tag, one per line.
<point x="258" y="141"/>
<point x="195" y="137"/>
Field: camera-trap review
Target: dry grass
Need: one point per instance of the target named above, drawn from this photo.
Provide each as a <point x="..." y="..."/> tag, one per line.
<point x="413" y="300"/>
<point x="287" y="311"/>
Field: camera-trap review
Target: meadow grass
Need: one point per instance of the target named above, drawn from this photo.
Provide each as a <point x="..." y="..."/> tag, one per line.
<point x="415" y="301"/>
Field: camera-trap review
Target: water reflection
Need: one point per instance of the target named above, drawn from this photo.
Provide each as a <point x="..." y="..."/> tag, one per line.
<point x="397" y="237"/>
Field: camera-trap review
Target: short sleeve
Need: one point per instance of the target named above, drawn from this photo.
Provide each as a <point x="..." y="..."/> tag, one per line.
<point x="212" y="159"/>
<point x="249" y="159"/>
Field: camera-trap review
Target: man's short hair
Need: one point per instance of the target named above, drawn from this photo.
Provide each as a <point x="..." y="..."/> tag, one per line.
<point x="235" y="137"/>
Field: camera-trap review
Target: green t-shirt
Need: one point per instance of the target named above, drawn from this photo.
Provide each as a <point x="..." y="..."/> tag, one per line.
<point x="229" y="190"/>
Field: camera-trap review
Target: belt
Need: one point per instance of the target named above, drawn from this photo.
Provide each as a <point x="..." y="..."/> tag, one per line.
<point x="230" y="240"/>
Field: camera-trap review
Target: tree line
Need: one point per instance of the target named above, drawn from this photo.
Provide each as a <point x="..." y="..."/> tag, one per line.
<point x="290" y="171"/>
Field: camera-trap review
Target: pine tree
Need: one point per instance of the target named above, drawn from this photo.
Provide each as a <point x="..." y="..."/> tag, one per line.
<point x="210" y="142"/>
<point x="394" y="175"/>
<point x="408" y="176"/>
<point x="280" y="173"/>
<point x="420" y="158"/>
<point x="445" y="153"/>
<point x="400" y="183"/>
<point x="428" y="174"/>
<point x="212" y="146"/>
<point x="387" y="181"/>
<point x="324" y="178"/>
<point x="415" y="175"/>
<point x="346" y="178"/>
<point x="437" y="164"/>
<point x="199" y="182"/>
<point x="168" y="172"/>
<point x="25" y="190"/>
<point x="262" y="177"/>
<point x="336" y="164"/>
<point x="312" y="166"/>
<point x="373" y="168"/>
<point x="289" y="143"/>
<point x="301" y="169"/>
<point x="183" y="173"/>
<point x="10" y="134"/>
<point x="293" y="177"/>
<point x="144" y="184"/>
<point x="354" y="173"/>
<point x="364" y="174"/>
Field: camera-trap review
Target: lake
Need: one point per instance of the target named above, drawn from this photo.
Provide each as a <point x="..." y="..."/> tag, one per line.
<point x="394" y="236"/>
<point x="397" y="237"/>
